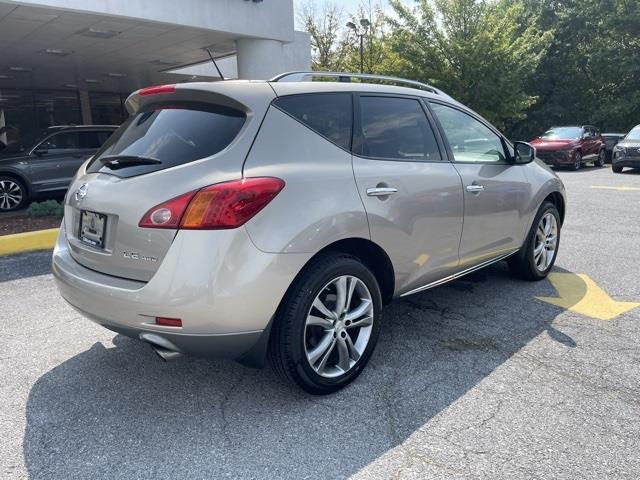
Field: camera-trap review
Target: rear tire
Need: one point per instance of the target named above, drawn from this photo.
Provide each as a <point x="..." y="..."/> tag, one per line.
<point x="600" y="160"/>
<point x="13" y="194"/>
<point x="539" y="251"/>
<point x="304" y="336"/>
<point x="616" y="168"/>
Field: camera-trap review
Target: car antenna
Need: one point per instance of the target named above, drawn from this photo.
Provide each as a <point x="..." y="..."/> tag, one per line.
<point x="215" y="64"/>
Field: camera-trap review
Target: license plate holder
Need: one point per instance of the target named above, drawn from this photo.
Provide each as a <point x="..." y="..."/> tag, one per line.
<point x="92" y="228"/>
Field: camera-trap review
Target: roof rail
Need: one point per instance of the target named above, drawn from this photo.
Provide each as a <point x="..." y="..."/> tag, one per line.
<point x="302" y="76"/>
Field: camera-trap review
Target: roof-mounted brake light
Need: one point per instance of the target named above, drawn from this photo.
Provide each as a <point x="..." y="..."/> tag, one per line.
<point x="157" y="89"/>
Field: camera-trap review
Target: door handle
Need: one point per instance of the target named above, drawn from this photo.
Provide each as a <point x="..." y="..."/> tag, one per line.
<point x="475" y="188"/>
<point x="381" y="191"/>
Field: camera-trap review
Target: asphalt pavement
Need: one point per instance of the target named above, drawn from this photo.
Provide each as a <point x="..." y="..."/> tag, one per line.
<point x="476" y="379"/>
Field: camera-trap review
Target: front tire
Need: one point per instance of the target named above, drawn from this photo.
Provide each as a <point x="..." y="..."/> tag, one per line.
<point x="616" y="168"/>
<point x="13" y="194"/>
<point x="327" y="326"/>
<point x="577" y="162"/>
<point x="538" y="254"/>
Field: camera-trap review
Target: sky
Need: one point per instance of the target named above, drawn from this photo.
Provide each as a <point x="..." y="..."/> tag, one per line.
<point x="349" y="5"/>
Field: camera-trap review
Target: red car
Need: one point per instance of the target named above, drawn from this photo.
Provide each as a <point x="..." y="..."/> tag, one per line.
<point x="571" y="146"/>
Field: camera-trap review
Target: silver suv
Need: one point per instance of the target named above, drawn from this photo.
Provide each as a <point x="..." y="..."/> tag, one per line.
<point x="274" y="219"/>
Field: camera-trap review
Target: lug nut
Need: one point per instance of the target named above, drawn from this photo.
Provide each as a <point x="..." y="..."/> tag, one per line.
<point x="343" y="334"/>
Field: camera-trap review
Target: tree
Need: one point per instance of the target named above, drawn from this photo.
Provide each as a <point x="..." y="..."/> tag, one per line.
<point x="480" y="52"/>
<point x="591" y="72"/>
<point x="325" y="26"/>
<point x="378" y="56"/>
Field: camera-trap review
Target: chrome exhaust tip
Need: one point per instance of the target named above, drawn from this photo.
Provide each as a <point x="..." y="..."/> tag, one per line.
<point x="163" y="347"/>
<point x="165" y="354"/>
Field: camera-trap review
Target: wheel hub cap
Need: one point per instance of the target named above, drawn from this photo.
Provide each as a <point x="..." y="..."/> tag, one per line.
<point x="546" y="242"/>
<point x="338" y="326"/>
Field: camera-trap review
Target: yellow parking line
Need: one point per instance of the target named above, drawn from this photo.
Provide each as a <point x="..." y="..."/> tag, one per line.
<point x="28" y="242"/>
<point x="622" y="188"/>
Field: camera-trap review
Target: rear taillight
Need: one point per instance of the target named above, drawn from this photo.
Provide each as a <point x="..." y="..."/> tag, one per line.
<point x="220" y="206"/>
<point x="167" y="214"/>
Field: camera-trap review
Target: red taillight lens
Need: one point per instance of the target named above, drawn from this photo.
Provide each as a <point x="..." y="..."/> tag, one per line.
<point x="167" y="214"/>
<point x="230" y="204"/>
<point x="157" y="89"/>
<point x="168" y="322"/>
<point x="220" y="206"/>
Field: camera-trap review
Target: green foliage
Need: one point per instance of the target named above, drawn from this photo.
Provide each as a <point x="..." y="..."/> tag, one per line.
<point x="591" y="73"/>
<point x="48" y="208"/>
<point x="523" y="64"/>
<point x="479" y="52"/>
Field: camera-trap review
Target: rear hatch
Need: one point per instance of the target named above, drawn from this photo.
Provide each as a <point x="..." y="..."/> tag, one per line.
<point x="178" y="139"/>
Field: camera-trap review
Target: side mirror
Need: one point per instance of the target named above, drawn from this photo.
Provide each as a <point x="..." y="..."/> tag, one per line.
<point x="524" y="153"/>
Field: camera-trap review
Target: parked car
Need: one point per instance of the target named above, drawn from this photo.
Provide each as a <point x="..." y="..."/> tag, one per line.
<point x="46" y="163"/>
<point x="275" y="219"/>
<point x="627" y="152"/>
<point x="570" y="146"/>
<point x="610" y="141"/>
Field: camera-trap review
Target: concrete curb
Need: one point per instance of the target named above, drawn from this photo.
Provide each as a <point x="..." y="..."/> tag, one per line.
<point x="28" y="242"/>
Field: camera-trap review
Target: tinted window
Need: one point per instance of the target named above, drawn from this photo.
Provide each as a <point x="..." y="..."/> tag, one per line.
<point x="173" y="134"/>
<point x="469" y="139"/>
<point x="329" y="114"/>
<point x="396" y="128"/>
<point x="92" y="139"/>
<point x="62" y="141"/>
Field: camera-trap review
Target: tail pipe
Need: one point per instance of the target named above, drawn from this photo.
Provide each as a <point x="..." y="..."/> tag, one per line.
<point x="161" y="346"/>
<point x="165" y="354"/>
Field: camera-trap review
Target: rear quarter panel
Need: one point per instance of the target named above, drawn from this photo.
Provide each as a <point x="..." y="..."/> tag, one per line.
<point x="319" y="204"/>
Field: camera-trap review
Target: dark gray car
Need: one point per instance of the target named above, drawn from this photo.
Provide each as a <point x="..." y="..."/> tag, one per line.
<point x="627" y="152"/>
<point x="46" y="163"/>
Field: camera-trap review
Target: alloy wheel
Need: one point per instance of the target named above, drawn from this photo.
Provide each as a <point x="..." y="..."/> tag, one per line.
<point x="11" y="194"/>
<point x="577" y="163"/>
<point x="338" y="326"/>
<point x="546" y="242"/>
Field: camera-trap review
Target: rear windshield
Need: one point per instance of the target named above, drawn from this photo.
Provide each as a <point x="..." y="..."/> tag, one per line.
<point x="166" y="135"/>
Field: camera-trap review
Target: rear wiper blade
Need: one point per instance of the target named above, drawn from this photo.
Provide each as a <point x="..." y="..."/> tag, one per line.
<point x="121" y="161"/>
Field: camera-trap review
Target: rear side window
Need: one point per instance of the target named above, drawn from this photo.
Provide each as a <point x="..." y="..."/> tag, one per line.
<point x="328" y="114"/>
<point x="164" y="136"/>
<point x="396" y="129"/>
<point x="92" y="139"/>
<point x="62" y="141"/>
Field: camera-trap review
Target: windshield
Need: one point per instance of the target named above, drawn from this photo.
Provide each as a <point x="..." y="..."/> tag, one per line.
<point x="562" y="133"/>
<point x="634" y="134"/>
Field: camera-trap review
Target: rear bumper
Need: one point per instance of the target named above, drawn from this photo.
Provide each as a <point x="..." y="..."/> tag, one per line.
<point x="223" y="289"/>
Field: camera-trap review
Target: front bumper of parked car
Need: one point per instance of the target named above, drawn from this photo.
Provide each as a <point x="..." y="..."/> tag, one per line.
<point x="557" y="157"/>
<point x="626" y="159"/>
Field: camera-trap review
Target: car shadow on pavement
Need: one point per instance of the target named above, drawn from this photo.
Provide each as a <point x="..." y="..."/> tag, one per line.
<point x="119" y="412"/>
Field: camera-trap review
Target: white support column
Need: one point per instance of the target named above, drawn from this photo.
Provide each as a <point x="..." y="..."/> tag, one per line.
<point x="259" y="59"/>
